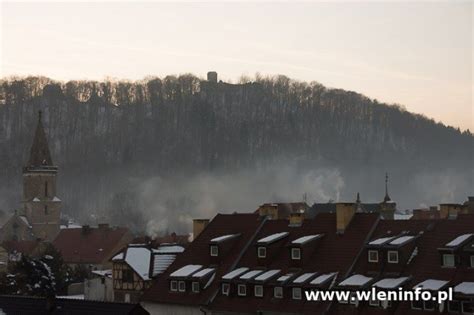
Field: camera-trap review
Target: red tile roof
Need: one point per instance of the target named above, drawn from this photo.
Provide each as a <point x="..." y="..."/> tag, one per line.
<point x="90" y="245"/>
<point x="24" y="247"/>
<point x="198" y="253"/>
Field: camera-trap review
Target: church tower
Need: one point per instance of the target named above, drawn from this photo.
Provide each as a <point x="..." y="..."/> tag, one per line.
<point x="41" y="206"/>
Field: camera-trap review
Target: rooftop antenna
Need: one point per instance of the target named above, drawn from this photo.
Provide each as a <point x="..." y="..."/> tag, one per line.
<point x="387" y="197"/>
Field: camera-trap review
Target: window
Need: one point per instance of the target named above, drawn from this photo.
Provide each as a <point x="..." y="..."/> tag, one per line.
<point x="296" y="253"/>
<point x="262" y="252"/>
<point x="46" y="210"/>
<point x="296" y="293"/>
<point x="278" y="292"/>
<point x="225" y="288"/>
<point x="467" y="307"/>
<point x="353" y="299"/>
<point x="195" y="286"/>
<point x="182" y="286"/>
<point x="258" y="290"/>
<point x="174" y="285"/>
<point x="46" y="189"/>
<point x="429" y="305"/>
<point x="374" y="302"/>
<point x="127" y="275"/>
<point x="373" y="256"/>
<point x="472" y="261"/>
<point x="448" y="260"/>
<point x="454" y="306"/>
<point x="214" y="250"/>
<point x="242" y="290"/>
<point x="417" y="305"/>
<point x="127" y="298"/>
<point x="392" y="256"/>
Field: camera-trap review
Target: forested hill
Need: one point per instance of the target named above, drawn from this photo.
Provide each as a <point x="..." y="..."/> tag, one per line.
<point x="110" y="137"/>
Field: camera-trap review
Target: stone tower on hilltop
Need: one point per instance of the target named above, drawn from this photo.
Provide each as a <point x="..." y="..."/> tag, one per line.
<point x="41" y="206"/>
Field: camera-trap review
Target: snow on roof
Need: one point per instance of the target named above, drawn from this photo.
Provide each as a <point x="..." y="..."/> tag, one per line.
<point x="223" y="238"/>
<point x="390" y="283"/>
<point x="72" y="297"/>
<point x="304" y="239"/>
<point x="267" y="275"/>
<point x="402" y="240"/>
<point x="172" y="249"/>
<point x="103" y="273"/>
<point x="304" y="277"/>
<point x="25" y="220"/>
<point x="202" y="273"/>
<point x="235" y="273"/>
<point x="381" y="241"/>
<point x="161" y="262"/>
<point x="272" y="238"/>
<point x="70" y="226"/>
<point x="356" y="281"/>
<point x="36" y="199"/>
<point x="323" y="278"/>
<point x="139" y="259"/>
<point x="56" y="199"/>
<point x="119" y="256"/>
<point x="399" y="216"/>
<point x="285" y="277"/>
<point x="431" y="284"/>
<point x="459" y="240"/>
<point x="465" y="288"/>
<point x="186" y="271"/>
<point x="251" y="274"/>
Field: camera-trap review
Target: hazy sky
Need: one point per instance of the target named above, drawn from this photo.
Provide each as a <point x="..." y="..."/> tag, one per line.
<point x="418" y="54"/>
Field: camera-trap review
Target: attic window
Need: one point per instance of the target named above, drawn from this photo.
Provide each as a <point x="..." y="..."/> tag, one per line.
<point x="472" y="261"/>
<point x="242" y="290"/>
<point x="214" y="250"/>
<point x="392" y="256"/>
<point x="174" y="285"/>
<point x="225" y="288"/>
<point x="195" y="287"/>
<point x="258" y="290"/>
<point x="278" y="292"/>
<point x="296" y="293"/>
<point x="373" y="256"/>
<point x="182" y="286"/>
<point x="262" y="252"/>
<point x="374" y="302"/>
<point x="448" y="260"/>
<point x="296" y="253"/>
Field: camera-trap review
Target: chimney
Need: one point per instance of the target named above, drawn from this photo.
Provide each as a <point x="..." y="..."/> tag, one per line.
<point x="198" y="226"/>
<point x="296" y="219"/>
<point x="344" y="213"/>
<point x="212" y="76"/>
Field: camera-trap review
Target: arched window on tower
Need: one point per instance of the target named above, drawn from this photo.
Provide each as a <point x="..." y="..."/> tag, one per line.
<point x="46" y="189"/>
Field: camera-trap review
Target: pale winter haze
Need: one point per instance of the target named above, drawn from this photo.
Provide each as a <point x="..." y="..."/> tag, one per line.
<point x="418" y="54"/>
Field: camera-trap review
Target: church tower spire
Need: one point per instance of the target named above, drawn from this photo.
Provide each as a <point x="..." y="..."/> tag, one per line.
<point x="39" y="152"/>
<point x="41" y="205"/>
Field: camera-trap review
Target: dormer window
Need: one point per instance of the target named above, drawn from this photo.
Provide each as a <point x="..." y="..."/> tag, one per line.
<point x="373" y="256"/>
<point x="258" y="290"/>
<point x="392" y="257"/>
<point x="472" y="261"/>
<point x="278" y="292"/>
<point x="181" y="286"/>
<point x="296" y="253"/>
<point x="225" y="288"/>
<point x="173" y="285"/>
<point x="195" y="287"/>
<point x="242" y="290"/>
<point x="449" y="260"/>
<point x="262" y="252"/>
<point x="214" y="250"/>
<point x="296" y="293"/>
